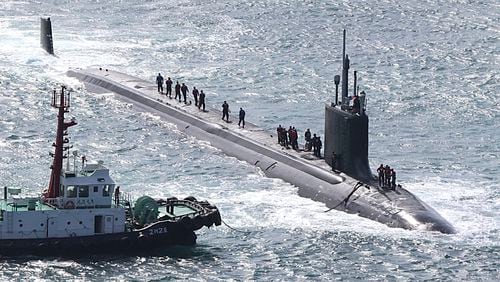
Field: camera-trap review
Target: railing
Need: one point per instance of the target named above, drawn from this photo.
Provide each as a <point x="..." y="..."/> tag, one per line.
<point x="123" y="200"/>
<point x="347" y="103"/>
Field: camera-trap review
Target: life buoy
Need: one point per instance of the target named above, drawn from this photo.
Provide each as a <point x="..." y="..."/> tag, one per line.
<point x="69" y="205"/>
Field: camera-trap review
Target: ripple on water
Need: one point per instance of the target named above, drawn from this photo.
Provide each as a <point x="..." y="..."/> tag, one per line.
<point x="430" y="73"/>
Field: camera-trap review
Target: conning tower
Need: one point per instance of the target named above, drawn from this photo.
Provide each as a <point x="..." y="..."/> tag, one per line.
<point x="46" y="35"/>
<point x="346" y="128"/>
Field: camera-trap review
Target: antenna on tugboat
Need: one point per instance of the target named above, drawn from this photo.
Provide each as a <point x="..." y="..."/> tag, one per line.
<point x="61" y="101"/>
<point x="83" y="161"/>
<point x="75" y="155"/>
<point x="67" y="159"/>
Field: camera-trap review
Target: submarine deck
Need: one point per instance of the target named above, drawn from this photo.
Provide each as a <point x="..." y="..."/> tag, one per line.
<point x="212" y="115"/>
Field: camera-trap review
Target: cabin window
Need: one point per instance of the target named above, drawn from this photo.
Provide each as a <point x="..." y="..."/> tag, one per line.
<point x="83" y="191"/>
<point x="96" y="189"/>
<point x="61" y="190"/>
<point x="106" y="190"/>
<point x="70" y="191"/>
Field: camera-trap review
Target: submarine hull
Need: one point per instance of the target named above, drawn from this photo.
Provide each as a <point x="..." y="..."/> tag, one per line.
<point x="313" y="177"/>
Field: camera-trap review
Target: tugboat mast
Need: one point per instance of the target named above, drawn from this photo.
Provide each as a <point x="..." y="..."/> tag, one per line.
<point x="60" y="101"/>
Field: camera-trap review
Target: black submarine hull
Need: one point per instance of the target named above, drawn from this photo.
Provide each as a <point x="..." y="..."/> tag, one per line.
<point x="313" y="177"/>
<point x="46" y="41"/>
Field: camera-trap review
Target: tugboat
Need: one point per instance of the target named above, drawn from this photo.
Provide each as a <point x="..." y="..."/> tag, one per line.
<point x="83" y="211"/>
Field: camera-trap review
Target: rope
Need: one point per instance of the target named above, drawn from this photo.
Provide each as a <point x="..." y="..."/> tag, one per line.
<point x="356" y="187"/>
<point x="232" y="228"/>
<point x="335" y="206"/>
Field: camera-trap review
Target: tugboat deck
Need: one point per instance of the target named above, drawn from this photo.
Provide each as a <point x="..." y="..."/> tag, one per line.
<point x="177" y="212"/>
<point x="23" y="205"/>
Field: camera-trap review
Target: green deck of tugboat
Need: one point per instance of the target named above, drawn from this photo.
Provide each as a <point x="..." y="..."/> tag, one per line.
<point x="179" y="210"/>
<point x="12" y="205"/>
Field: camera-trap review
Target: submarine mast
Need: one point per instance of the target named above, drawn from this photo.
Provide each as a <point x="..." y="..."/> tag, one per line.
<point x="346" y="130"/>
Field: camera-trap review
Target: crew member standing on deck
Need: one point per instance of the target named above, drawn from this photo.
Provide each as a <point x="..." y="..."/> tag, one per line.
<point x="195" y="96"/>
<point x="201" y="103"/>
<point x="159" y="81"/>
<point x="293" y="137"/>
<point x="184" y="90"/>
<point x="356" y="106"/>
<point x="168" y="83"/>
<point x="178" y="91"/>
<point x="307" y="136"/>
<point x="285" y="137"/>
<point x="313" y="143"/>
<point x="278" y="132"/>
<point x="393" y="178"/>
<point x="318" y="147"/>
<point x="225" y="111"/>
<point x="387" y="176"/>
<point x="242" y="117"/>
<point x="380" y="171"/>
<point x="296" y="138"/>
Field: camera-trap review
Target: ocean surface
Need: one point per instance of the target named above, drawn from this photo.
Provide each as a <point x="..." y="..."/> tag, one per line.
<point x="431" y="73"/>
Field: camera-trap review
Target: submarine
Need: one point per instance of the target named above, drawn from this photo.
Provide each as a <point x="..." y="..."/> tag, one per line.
<point x="350" y="186"/>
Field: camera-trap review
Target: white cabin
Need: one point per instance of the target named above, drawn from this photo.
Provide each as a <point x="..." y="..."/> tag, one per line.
<point x="86" y="206"/>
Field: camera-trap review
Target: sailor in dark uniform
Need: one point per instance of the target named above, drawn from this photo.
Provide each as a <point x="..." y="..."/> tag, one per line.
<point x="195" y="96"/>
<point x="201" y="103"/>
<point x="168" y="83"/>
<point x="313" y="143"/>
<point x="307" y="136"/>
<point x="387" y="176"/>
<point x="290" y="136"/>
<point x="356" y="105"/>
<point x="380" y="171"/>
<point x="318" y="147"/>
<point x="159" y="81"/>
<point x="295" y="136"/>
<point x="225" y="111"/>
<point x="178" y="91"/>
<point x="184" y="90"/>
<point x="280" y="135"/>
<point x="242" y="117"/>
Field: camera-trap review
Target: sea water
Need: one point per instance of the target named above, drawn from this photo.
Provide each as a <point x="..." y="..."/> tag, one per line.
<point x="430" y="72"/>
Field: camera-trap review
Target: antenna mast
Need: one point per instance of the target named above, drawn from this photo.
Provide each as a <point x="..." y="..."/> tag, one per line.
<point x="345" y="69"/>
<point x="60" y="101"/>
